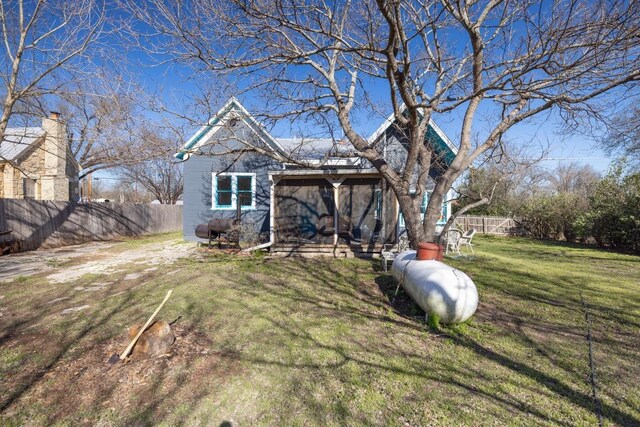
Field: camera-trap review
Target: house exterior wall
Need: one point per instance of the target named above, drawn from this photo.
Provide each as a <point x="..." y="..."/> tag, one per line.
<point x="199" y="172"/>
<point x="221" y="135"/>
<point x="49" y="163"/>
<point x="28" y="167"/>
<point x="396" y="155"/>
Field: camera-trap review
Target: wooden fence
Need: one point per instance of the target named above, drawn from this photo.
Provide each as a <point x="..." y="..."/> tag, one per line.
<point x="502" y="226"/>
<point x="40" y="224"/>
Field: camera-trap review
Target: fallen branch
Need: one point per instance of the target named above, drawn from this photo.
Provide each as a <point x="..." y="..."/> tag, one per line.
<point x="133" y="342"/>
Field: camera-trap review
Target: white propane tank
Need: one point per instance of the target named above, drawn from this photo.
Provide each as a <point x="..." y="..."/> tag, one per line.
<point x="436" y="287"/>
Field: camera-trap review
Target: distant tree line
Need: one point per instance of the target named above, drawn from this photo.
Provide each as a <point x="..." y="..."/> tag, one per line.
<point x="572" y="202"/>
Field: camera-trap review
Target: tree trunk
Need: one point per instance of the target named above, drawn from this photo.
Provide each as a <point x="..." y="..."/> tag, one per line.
<point x="412" y="221"/>
<point x="433" y="213"/>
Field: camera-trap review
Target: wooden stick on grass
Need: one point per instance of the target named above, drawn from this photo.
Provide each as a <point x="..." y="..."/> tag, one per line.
<point x="126" y="352"/>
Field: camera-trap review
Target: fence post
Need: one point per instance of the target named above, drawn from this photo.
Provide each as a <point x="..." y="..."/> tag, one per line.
<point x="484" y="225"/>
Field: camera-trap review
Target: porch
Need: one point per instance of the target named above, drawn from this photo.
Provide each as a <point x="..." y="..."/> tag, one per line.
<point x="339" y="212"/>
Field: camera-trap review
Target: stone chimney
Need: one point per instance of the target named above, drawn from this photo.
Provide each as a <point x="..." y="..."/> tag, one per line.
<point x="55" y="183"/>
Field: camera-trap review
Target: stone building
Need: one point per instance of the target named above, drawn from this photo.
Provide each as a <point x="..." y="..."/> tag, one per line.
<point x="36" y="163"/>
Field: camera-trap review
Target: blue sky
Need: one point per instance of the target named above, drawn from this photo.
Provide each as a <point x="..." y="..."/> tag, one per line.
<point x="542" y="131"/>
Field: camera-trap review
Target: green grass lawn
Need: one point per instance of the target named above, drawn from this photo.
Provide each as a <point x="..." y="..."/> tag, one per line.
<point x="318" y="342"/>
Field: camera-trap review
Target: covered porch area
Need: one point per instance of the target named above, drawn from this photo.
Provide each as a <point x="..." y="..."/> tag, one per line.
<point x="337" y="212"/>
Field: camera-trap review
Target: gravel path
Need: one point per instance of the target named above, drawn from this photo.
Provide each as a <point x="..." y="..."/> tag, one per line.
<point x="101" y="258"/>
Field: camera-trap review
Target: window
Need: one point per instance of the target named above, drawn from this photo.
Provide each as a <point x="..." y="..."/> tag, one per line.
<point x="245" y="190"/>
<point x="423" y="210"/>
<point x="29" y="188"/>
<point x="231" y="189"/>
<point x="224" y="193"/>
<point x="378" y="202"/>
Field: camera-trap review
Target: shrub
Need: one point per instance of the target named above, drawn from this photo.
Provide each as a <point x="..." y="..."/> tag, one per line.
<point x="614" y="217"/>
<point x="551" y="216"/>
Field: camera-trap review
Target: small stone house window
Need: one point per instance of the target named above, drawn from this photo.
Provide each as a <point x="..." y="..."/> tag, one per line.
<point x="29" y="188"/>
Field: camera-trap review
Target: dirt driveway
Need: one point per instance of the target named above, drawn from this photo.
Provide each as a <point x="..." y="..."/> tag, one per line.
<point x="72" y="262"/>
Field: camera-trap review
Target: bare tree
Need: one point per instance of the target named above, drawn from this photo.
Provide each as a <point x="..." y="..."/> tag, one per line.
<point x="573" y="178"/>
<point x="119" y="190"/>
<point x="161" y="177"/>
<point x="499" y="179"/>
<point x="51" y="52"/>
<point x="160" y="174"/>
<point x="42" y="43"/>
<point x="623" y="135"/>
<point x="330" y="64"/>
<point x="108" y="121"/>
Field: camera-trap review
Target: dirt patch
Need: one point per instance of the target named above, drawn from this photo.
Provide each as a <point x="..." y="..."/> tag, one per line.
<point x="88" y="387"/>
<point x="29" y="263"/>
<point x="72" y="262"/>
<point x="150" y="254"/>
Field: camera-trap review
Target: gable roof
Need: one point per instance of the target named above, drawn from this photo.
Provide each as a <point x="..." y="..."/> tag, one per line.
<point x="218" y="121"/>
<point x="312" y="149"/>
<point x="441" y="143"/>
<point x="18" y="140"/>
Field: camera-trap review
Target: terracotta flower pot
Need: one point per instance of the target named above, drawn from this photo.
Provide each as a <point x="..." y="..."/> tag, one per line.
<point x="430" y="251"/>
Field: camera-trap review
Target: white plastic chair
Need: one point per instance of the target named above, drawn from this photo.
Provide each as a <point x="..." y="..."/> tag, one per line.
<point x="451" y="241"/>
<point x="465" y="240"/>
<point x="391" y="251"/>
<point x="456" y="239"/>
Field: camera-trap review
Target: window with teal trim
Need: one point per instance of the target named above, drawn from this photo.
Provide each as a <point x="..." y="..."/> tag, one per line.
<point x="234" y="189"/>
<point x="224" y="191"/>
<point x="423" y="210"/>
<point x="245" y="190"/>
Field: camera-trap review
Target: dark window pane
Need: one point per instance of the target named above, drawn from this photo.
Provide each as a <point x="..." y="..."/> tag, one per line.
<point x="224" y="183"/>
<point x="244" y="198"/>
<point x="244" y="183"/>
<point x="224" y="198"/>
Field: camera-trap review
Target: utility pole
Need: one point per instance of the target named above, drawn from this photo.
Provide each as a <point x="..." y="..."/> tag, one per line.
<point x="89" y="186"/>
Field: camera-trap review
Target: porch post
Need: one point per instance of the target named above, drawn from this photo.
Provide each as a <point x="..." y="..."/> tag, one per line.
<point x="272" y="208"/>
<point x="336" y="201"/>
<point x="397" y="213"/>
